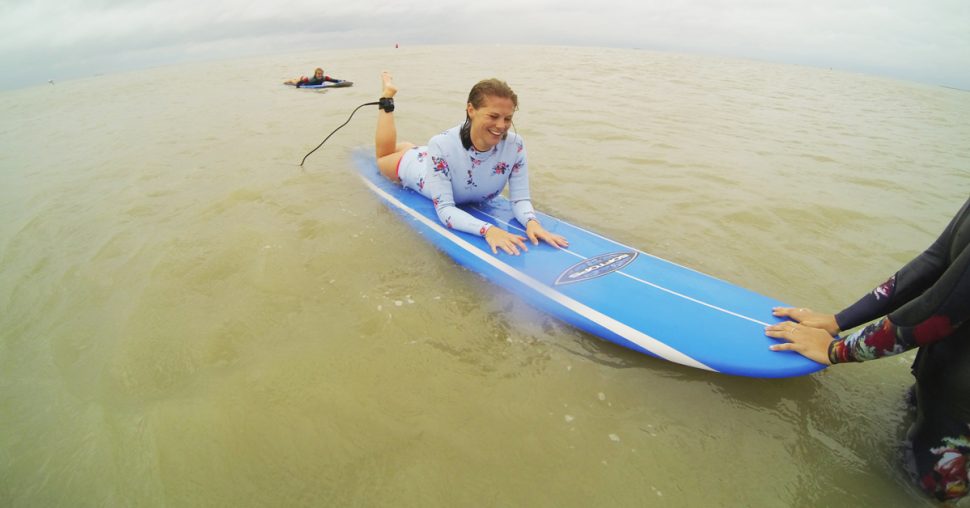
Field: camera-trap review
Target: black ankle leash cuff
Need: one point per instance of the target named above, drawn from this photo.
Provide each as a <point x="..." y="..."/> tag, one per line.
<point x="386" y="103"/>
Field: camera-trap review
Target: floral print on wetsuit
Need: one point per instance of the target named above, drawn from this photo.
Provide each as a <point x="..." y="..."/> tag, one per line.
<point x="449" y="174"/>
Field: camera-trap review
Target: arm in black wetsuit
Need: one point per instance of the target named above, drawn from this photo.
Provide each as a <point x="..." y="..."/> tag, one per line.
<point x="925" y="301"/>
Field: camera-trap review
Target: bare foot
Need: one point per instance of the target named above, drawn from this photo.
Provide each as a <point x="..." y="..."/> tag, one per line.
<point x="389" y="88"/>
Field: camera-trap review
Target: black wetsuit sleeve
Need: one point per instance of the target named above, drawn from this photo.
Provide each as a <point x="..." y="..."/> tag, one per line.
<point x="949" y="293"/>
<point x="908" y="283"/>
<point x="934" y="313"/>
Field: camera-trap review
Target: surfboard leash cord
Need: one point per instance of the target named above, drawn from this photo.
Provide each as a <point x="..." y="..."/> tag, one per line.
<point x="375" y="103"/>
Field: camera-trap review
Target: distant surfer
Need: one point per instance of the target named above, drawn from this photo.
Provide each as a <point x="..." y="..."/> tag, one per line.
<point x="468" y="163"/>
<point x="925" y="305"/>
<point x="318" y="78"/>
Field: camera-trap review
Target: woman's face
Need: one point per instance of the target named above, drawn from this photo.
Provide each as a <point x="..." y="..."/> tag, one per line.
<point x="318" y="73"/>
<point x="490" y="122"/>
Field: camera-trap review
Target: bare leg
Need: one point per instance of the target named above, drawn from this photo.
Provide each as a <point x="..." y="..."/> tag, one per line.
<point x="386" y="147"/>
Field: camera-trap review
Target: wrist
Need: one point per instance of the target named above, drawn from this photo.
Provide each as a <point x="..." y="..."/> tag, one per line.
<point x="832" y="355"/>
<point x="832" y="325"/>
<point x="484" y="230"/>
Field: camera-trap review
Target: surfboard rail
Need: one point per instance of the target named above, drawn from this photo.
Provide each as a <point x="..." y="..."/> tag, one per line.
<point x="340" y="83"/>
<point x="614" y="291"/>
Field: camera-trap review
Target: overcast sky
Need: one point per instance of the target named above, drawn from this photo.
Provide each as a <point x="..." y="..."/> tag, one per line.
<point x="918" y="40"/>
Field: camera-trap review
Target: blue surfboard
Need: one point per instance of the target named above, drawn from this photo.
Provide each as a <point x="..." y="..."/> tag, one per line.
<point x="340" y="83"/>
<point x="608" y="289"/>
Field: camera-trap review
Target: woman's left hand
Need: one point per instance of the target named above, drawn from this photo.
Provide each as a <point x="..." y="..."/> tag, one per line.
<point x="812" y="343"/>
<point x="536" y="232"/>
<point x="809" y="317"/>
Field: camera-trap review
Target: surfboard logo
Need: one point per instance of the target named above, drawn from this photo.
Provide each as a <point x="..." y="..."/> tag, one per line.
<point x="595" y="267"/>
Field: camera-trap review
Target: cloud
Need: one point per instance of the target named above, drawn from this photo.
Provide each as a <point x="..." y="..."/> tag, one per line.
<point x="901" y="38"/>
<point x="77" y="39"/>
<point x="912" y="40"/>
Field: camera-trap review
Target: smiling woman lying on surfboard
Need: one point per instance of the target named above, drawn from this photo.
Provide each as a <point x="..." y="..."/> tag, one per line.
<point x="465" y="164"/>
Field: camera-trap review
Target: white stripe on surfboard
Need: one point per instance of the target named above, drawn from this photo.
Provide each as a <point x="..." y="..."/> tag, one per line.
<point x="621" y="272"/>
<point x="633" y="335"/>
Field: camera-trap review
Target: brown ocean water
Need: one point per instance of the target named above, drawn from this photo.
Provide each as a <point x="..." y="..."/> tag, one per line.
<point x="189" y="318"/>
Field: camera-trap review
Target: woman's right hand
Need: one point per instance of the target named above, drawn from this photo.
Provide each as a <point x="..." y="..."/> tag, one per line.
<point x="812" y="343"/>
<point x="808" y="317"/>
<point x="499" y="238"/>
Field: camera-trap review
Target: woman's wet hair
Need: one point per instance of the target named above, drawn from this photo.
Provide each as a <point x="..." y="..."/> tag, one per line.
<point x="476" y="97"/>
